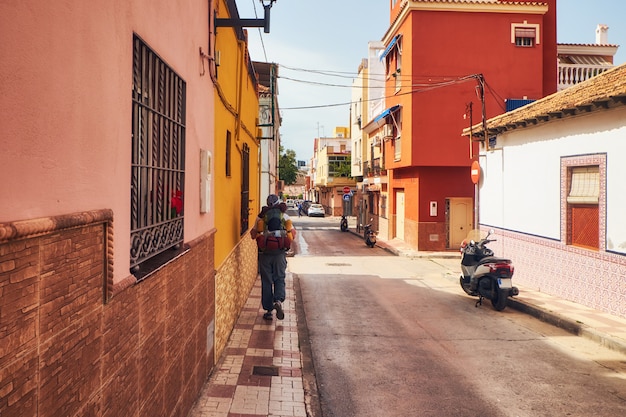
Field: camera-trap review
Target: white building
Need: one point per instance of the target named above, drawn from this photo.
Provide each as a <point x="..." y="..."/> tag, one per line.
<point x="553" y="186"/>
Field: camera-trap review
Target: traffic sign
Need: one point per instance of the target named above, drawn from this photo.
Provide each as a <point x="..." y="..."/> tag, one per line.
<point x="346" y="197"/>
<point x="475" y="172"/>
<point x="346" y="190"/>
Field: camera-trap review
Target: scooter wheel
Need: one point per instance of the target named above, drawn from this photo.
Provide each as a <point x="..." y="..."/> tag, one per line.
<point x="499" y="303"/>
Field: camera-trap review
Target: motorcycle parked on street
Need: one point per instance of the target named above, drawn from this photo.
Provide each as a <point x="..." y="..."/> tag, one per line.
<point x="369" y="235"/>
<point x="344" y="223"/>
<point x="485" y="275"/>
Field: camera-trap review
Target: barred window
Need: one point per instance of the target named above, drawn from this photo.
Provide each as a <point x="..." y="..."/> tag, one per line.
<point x="158" y="159"/>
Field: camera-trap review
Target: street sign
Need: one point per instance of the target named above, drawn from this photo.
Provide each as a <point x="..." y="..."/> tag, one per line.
<point x="475" y="172"/>
<point x="346" y="190"/>
<point x="346" y="197"/>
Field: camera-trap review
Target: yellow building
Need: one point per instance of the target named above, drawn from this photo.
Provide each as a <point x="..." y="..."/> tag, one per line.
<point x="236" y="170"/>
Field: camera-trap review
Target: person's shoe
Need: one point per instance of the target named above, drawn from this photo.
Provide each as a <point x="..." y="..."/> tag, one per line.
<point x="268" y="315"/>
<point x="280" y="313"/>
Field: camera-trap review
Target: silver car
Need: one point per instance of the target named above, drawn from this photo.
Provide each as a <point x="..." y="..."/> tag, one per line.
<point x="316" y="210"/>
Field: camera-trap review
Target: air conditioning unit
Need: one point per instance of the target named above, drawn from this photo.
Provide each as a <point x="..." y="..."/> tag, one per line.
<point x="388" y="131"/>
<point x="376" y="141"/>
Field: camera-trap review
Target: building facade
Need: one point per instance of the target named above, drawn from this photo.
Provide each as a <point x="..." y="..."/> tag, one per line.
<point x="107" y="239"/>
<point x="440" y="76"/>
<point x="237" y="170"/>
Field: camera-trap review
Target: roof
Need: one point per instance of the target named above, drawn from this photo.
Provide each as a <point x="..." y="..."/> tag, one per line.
<point x="606" y="90"/>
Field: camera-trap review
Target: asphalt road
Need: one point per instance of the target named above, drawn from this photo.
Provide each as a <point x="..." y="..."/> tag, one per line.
<point x="393" y="336"/>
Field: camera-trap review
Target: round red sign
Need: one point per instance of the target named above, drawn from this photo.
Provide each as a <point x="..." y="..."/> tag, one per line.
<point x="346" y="190"/>
<point x="475" y="172"/>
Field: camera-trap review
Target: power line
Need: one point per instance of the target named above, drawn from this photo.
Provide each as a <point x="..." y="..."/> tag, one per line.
<point x="428" y="88"/>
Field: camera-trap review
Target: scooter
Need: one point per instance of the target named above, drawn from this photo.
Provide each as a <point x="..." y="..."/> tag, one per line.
<point x="369" y="235"/>
<point x="485" y="275"/>
<point x="344" y="223"/>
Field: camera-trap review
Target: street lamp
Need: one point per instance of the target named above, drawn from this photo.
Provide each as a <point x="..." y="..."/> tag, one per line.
<point x="255" y="23"/>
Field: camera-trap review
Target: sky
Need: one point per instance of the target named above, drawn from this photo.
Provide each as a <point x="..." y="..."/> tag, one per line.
<point x="331" y="36"/>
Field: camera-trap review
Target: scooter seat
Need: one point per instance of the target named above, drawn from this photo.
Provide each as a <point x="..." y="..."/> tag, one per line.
<point x="493" y="259"/>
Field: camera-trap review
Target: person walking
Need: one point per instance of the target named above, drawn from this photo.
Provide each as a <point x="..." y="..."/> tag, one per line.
<point x="299" y="209"/>
<point x="273" y="233"/>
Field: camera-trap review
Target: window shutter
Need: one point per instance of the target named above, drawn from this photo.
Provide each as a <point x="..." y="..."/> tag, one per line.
<point x="585" y="187"/>
<point x="525" y="33"/>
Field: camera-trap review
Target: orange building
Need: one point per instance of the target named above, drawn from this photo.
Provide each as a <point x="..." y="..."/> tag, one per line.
<point x="448" y="65"/>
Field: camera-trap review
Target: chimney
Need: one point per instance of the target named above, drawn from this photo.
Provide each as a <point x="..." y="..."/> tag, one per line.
<point x="602" y="34"/>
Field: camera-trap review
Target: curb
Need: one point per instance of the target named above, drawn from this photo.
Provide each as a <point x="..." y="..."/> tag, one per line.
<point x="574" y="327"/>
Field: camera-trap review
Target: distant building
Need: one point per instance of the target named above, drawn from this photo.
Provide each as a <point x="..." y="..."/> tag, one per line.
<point x="579" y="62"/>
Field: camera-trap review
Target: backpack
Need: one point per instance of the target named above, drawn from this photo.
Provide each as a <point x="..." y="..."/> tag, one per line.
<point x="274" y="236"/>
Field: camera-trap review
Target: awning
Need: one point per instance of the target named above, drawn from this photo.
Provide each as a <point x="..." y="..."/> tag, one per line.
<point x="589" y="60"/>
<point x="389" y="47"/>
<point x="386" y="113"/>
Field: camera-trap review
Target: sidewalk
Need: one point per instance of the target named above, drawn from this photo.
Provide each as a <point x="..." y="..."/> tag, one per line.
<point x="263" y="371"/>
<point x="260" y="371"/>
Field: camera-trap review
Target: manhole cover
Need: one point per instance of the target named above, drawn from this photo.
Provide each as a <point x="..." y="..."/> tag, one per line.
<point x="265" y="370"/>
<point x="338" y="264"/>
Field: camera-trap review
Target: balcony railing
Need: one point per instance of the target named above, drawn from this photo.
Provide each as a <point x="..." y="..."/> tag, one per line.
<point x="372" y="168"/>
<point x="571" y="74"/>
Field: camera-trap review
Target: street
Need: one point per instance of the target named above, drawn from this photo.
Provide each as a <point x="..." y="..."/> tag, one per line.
<point x="394" y="336"/>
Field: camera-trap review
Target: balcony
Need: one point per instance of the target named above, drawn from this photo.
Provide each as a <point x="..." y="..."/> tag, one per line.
<point x="372" y="168"/>
<point x="571" y="74"/>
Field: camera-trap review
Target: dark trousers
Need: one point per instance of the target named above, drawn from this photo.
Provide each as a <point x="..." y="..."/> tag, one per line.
<point x="272" y="267"/>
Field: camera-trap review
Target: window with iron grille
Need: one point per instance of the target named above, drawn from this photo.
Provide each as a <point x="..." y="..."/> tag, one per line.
<point x="158" y="159"/>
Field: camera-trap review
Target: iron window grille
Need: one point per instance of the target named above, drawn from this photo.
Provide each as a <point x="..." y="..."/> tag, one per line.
<point x="158" y="157"/>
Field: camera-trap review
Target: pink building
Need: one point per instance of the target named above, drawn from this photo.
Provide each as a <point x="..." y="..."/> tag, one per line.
<point x="106" y="245"/>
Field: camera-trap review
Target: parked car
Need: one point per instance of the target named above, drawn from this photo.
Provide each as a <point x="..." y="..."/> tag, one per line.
<point x="305" y="206"/>
<point x="316" y="210"/>
<point x="290" y="203"/>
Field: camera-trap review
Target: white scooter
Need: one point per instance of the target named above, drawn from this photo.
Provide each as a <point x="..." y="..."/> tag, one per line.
<point x="484" y="275"/>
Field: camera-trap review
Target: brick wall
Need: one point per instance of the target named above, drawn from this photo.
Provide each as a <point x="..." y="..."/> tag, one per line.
<point x="64" y="352"/>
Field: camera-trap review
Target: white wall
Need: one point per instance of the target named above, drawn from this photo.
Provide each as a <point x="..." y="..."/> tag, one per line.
<point x="521" y="186"/>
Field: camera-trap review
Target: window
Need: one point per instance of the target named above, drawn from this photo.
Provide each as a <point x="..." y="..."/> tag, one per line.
<point x="245" y="188"/>
<point x="525" y="34"/>
<point x="227" y="156"/>
<point x="583" y="201"/>
<point x="397" y="135"/>
<point x="338" y="166"/>
<point x="158" y="158"/>
<point x="582" y="207"/>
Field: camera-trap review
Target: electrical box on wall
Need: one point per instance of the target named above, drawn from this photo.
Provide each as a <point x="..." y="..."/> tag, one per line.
<point x="433" y="209"/>
<point x="205" y="181"/>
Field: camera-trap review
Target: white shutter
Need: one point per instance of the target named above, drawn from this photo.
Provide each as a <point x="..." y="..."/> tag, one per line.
<point x="585" y="188"/>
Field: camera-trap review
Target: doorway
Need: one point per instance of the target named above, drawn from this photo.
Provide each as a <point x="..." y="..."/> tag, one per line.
<point x="399" y="224"/>
<point x="460" y="220"/>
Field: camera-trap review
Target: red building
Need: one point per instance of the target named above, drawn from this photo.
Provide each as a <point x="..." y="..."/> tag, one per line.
<point x="448" y="65"/>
